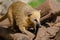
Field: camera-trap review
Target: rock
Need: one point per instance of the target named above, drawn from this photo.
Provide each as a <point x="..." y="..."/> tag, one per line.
<point x="52" y="31"/>
<point x="58" y="35"/>
<point x="19" y="36"/>
<point x="58" y="19"/>
<point x="5" y="23"/>
<point x="31" y="35"/>
<point x="42" y="34"/>
<point x="5" y="33"/>
<point x="1" y="6"/>
<point x="47" y="33"/>
<point x="8" y="34"/>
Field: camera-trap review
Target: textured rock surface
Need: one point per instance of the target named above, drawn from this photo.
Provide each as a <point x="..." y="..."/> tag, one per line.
<point x="19" y="36"/>
<point x="42" y="34"/>
<point x="58" y="36"/>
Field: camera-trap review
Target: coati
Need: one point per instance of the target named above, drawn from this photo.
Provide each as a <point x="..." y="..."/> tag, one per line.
<point x="23" y="14"/>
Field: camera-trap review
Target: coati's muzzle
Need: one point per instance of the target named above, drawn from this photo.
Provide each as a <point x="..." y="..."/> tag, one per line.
<point x="37" y="22"/>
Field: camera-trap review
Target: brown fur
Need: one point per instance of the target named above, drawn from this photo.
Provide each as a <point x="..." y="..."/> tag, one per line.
<point x="23" y="14"/>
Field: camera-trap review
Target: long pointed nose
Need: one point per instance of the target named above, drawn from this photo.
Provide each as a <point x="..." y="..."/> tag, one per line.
<point x="38" y="22"/>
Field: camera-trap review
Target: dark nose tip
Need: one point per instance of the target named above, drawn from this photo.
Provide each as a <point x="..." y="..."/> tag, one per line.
<point x="39" y="24"/>
<point x="37" y="21"/>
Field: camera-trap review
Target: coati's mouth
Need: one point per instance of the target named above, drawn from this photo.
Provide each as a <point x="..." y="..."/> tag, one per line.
<point x="37" y="22"/>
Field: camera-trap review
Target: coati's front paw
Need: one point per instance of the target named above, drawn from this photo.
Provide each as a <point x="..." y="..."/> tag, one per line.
<point x="22" y="29"/>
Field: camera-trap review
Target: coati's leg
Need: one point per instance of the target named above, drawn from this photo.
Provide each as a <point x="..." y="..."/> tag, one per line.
<point x="34" y="22"/>
<point x="10" y="16"/>
<point x="35" y="28"/>
<point x="22" y="29"/>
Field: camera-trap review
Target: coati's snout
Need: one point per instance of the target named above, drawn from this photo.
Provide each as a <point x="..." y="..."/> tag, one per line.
<point x="37" y="22"/>
<point x="35" y="17"/>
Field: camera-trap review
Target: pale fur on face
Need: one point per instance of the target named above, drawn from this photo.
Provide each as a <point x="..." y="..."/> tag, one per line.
<point x="36" y="15"/>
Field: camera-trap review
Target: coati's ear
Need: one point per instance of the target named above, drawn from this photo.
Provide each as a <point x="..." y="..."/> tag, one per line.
<point x="39" y="10"/>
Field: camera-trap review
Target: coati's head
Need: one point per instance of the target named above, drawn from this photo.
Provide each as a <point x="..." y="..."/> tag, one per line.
<point x="35" y="16"/>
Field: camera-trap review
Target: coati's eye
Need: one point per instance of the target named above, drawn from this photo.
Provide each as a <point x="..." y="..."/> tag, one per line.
<point x="29" y="15"/>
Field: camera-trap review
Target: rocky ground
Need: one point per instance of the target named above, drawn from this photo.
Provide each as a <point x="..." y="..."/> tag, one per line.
<point x="49" y="30"/>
